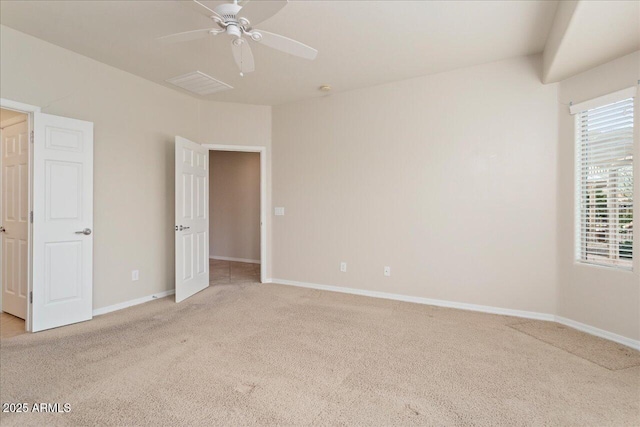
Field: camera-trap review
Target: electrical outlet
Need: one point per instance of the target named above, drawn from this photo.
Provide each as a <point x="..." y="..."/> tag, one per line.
<point x="343" y="267"/>
<point x="279" y="211"/>
<point x="387" y="271"/>
<point x="135" y="275"/>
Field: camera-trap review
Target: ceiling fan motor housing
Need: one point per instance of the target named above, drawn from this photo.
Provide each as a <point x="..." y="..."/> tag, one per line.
<point x="228" y="11"/>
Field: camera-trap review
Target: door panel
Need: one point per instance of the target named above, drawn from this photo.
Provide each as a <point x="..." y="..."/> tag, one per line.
<point x="9" y="252"/>
<point x="14" y="218"/>
<point x="192" y="218"/>
<point x="63" y="208"/>
<point x="23" y="265"/>
<point x="64" y="190"/>
<point x="63" y="267"/>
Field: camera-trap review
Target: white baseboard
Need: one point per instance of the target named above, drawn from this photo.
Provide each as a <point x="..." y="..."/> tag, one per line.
<point x="226" y="258"/>
<point x="599" y="332"/>
<point x="420" y="300"/>
<point x="472" y="307"/>
<point x="131" y="303"/>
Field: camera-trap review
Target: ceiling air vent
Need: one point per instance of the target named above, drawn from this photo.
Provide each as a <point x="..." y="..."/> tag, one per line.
<point x="199" y="83"/>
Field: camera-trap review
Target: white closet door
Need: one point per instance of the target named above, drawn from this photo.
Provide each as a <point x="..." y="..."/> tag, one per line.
<point x="14" y="224"/>
<point x="192" y="218"/>
<point x="62" y="221"/>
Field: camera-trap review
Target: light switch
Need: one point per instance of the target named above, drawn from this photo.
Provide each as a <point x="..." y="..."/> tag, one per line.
<point x="279" y="211"/>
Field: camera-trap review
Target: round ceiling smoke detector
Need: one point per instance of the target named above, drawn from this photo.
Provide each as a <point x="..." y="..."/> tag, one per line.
<point x="325" y="88"/>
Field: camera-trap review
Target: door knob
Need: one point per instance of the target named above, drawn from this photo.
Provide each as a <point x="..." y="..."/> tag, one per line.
<point x="3" y="230"/>
<point x="183" y="228"/>
<point x="86" y="231"/>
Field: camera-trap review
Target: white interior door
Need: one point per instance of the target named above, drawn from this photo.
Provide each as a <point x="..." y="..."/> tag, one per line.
<point x="192" y="218"/>
<point x="62" y="221"/>
<point x="14" y="223"/>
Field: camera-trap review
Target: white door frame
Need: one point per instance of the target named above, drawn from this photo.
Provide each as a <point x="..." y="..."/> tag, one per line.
<point x="28" y="110"/>
<point x="263" y="195"/>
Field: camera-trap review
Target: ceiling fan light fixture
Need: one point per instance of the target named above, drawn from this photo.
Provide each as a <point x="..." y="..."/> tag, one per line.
<point x="234" y="30"/>
<point x="325" y="88"/>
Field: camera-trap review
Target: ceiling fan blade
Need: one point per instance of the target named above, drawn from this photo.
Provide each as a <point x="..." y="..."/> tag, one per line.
<point x="199" y="7"/>
<point x="187" y="35"/>
<point x="285" y="44"/>
<point x="243" y="56"/>
<point x="257" y="11"/>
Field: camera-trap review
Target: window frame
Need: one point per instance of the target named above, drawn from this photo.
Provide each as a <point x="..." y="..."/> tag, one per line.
<point x="579" y="248"/>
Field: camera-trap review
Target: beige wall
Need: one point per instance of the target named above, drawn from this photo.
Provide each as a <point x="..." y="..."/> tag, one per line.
<point x="606" y="298"/>
<point x="135" y="124"/>
<point x="234" y="205"/>
<point x="449" y="179"/>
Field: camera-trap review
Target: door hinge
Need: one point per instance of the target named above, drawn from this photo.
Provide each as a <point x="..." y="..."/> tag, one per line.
<point x="31" y="297"/>
<point x="31" y="137"/>
<point x="31" y="217"/>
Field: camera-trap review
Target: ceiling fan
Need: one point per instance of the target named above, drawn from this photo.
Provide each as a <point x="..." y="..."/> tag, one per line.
<point x="237" y="20"/>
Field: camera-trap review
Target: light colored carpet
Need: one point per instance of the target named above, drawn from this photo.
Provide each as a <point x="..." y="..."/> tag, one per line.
<point x="605" y="353"/>
<point x="270" y="354"/>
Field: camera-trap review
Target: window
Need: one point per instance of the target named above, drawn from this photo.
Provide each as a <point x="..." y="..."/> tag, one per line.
<point x="604" y="175"/>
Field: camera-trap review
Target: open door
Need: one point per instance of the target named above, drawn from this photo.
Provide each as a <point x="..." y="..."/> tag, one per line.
<point x="62" y="221"/>
<point x="14" y="220"/>
<point x="192" y="218"/>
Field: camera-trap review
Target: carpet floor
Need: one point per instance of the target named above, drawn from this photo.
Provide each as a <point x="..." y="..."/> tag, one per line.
<point x="241" y="354"/>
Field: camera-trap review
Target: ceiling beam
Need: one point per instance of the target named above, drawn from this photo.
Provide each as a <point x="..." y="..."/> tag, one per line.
<point x="562" y="22"/>
<point x="586" y="34"/>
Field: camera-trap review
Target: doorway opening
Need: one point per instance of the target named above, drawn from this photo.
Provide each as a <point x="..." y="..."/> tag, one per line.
<point x="234" y="217"/>
<point x="192" y="254"/>
<point x="262" y="152"/>
<point x="14" y="220"/>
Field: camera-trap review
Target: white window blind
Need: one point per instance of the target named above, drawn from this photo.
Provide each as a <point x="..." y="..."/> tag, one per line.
<point x="604" y="175"/>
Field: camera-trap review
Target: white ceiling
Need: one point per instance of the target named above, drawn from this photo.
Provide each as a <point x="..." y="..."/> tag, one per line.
<point x="360" y="43"/>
